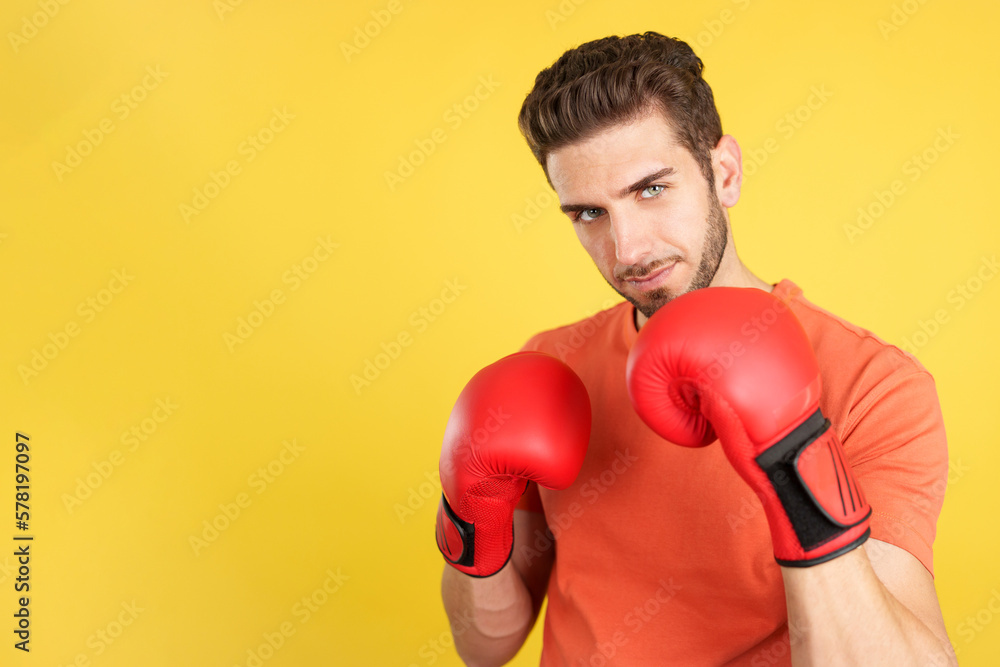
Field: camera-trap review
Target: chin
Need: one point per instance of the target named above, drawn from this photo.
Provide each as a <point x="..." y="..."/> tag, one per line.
<point x="648" y="302"/>
<point x="652" y="301"/>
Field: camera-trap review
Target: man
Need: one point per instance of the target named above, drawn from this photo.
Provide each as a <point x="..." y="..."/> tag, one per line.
<point x="659" y="554"/>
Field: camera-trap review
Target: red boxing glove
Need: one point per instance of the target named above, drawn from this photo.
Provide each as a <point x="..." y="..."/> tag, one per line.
<point x="736" y="362"/>
<point x="524" y="417"/>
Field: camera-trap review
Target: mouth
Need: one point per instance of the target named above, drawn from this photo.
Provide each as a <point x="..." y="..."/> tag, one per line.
<point x="652" y="280"/>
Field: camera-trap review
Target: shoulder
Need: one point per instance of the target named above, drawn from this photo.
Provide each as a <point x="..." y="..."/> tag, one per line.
<point x="845" y="349"/>
<point x="869" y="385"/>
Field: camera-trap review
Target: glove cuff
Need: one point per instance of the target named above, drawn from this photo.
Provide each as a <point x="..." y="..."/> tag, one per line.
<point x="456" y="540"/>
<point x="825" y="514"/>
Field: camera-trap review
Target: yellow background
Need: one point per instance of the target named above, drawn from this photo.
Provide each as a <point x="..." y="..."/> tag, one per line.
<point x="367" y="451"/>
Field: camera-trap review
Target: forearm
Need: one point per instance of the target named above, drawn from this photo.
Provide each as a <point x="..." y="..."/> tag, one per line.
<point x="840" y="613"/>
<point x="490" y="617"/>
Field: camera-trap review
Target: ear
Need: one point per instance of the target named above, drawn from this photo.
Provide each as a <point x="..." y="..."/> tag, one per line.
<point x="727" y="163"/>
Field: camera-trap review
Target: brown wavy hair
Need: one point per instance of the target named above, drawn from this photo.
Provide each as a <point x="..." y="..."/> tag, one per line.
<point x="615" y="80"/>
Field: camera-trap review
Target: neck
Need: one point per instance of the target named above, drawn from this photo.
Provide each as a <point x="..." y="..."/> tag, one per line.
<point x="732" y="273"/>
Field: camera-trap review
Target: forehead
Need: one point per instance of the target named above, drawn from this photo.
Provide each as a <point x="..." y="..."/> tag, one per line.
<point x="617" y="156"/>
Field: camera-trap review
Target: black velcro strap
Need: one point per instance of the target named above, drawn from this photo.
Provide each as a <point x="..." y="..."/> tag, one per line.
<point x="812" y="526"/>
<point x="466" y="531"/>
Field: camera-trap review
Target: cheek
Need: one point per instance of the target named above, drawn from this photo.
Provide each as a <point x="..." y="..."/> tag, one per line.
<point x="682" y="225"/>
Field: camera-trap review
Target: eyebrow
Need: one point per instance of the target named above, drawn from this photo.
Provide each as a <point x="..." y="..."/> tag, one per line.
<point x="641" y="184"/>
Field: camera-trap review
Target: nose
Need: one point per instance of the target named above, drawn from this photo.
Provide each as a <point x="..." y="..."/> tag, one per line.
<point x="632" y="238"/>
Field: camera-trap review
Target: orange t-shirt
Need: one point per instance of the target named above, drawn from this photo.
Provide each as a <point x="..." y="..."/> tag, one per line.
<point x="663" y="554"/>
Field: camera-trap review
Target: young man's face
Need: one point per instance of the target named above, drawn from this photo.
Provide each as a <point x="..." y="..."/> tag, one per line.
<point x="643" y="211"/>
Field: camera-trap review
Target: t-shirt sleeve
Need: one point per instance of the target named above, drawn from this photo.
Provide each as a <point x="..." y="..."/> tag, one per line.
<point x="895" y="441"/>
